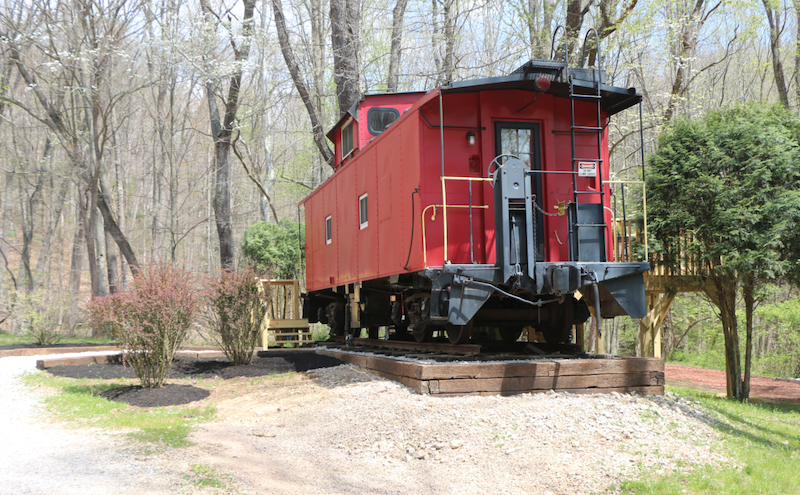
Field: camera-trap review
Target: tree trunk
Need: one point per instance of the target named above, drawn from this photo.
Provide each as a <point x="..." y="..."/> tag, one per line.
<point x="796" y="4"/>
<point x="345" y="21"/>
<point x="101" y="257"/>
<point x="726" y="288"/>
<point x="76" y="260"/>
<point x="87" y="219"/>
<point x="397" y="45"/>
<point x="775" y="28"/>
<point x="689" y="32"/>
<point x="749" y="303"/>
<point x="222" y="133"/>
<point x="45" y="253"/>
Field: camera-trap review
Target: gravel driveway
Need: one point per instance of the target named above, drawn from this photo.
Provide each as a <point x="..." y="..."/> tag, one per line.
<point x="39" y="457"/>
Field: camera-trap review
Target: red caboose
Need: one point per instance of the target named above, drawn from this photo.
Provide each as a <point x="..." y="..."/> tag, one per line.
<point x="479" y="204"/>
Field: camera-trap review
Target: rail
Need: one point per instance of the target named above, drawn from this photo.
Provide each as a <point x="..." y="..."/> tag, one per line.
<point x="625" y="255"/>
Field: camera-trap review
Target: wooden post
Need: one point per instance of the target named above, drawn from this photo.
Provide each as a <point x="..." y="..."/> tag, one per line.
<point x="579" y="337"/>
<point x="650" y="325"/>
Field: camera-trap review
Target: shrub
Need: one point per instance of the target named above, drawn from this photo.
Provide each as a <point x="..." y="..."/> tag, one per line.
<point x="236" y="308"/>
<point x="151" y="320"/>
<point x="275" y="247"/>
<point x="44" y="316"/>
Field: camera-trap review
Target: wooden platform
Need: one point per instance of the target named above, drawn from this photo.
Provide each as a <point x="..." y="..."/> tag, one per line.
<point x="603" y="374"/>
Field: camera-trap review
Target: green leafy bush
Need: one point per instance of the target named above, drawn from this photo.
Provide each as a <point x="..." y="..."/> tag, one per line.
<point x="276" y="248"/>
<point x="151" y="320"/>
<point x="236" y="308"/>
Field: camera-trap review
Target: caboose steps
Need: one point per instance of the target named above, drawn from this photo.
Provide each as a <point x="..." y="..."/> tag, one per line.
<point x="518" y="374"/>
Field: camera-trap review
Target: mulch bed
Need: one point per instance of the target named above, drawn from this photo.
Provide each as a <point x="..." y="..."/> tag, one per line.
<point x="264" y="364"/>
<point x="168" y="395"/>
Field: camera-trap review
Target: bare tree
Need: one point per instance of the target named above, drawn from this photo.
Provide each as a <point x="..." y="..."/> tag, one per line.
<point x="222" y="129"/>
<point x="300" y="84"/>
<point x="776" y="20"/>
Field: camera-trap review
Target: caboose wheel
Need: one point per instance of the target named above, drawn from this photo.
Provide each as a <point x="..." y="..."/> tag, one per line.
<point x="558" y="327"/>
<point x="423" y="332"/>
<point x="459" y="334"/>
<point x="336" y="317"/>
<point x="510" y="334"/>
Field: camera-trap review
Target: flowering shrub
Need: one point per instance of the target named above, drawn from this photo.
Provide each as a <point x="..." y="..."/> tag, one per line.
<point x="236" y="308"/>
<point x="151" y="320"/>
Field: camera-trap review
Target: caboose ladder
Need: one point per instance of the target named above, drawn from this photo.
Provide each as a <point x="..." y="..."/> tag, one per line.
<point x="587" y="228"/>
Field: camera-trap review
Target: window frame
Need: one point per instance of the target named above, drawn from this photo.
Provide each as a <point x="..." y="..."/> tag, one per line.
<point x="380" y="109"/>
<point x="348" y="126"/>
<point x="328" y="230"/>
<point x="363" y="223"/>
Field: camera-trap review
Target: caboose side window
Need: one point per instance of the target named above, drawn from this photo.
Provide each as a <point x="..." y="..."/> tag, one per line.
<point x="380" y="118"/>
<point x="362" y="211"/>
<point x="328" y="230"/>
<point x="347" y="140"/>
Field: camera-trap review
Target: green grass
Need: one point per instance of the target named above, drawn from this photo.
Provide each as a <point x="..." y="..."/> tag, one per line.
<point x="77" y="403"/>
<point x="9" y="339"/>
<point x="762" y="440"/>
<point x="208" y="476"/>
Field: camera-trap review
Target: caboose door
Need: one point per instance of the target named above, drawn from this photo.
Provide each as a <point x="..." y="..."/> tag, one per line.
<point x="522" y="140"/>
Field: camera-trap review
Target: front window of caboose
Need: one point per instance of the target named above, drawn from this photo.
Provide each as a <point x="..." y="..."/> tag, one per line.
<point x="517" y="141"/>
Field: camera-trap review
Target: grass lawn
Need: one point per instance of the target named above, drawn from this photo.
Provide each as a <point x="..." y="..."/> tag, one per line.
<point x="9" y="339"/>
<point x="762" y="441"/>
<point x="77" y="403"/>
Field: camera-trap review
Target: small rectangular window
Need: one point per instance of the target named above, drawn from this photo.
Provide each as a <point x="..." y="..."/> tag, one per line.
<point x="347" y="140"/>
<point x="328" y="230"/>
<point x="362" y="211"/>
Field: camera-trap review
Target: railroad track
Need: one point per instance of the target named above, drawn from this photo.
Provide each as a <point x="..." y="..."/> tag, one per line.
<point x="444" y="351"/>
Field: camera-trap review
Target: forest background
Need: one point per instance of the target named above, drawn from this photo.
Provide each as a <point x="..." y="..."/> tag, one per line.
<point x="142" y="131"/>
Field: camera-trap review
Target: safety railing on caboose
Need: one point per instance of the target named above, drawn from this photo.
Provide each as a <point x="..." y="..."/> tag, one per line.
<point x="444" y="206"/>
<point x="624" y="229"/>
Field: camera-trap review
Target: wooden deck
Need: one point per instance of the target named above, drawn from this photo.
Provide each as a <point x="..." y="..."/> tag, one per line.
<point x="603" y="374"/>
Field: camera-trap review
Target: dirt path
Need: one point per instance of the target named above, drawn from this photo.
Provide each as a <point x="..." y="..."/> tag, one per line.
<point x="764" y="389"/>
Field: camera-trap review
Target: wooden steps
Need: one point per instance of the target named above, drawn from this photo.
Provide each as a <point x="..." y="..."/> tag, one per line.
<point x="603" y="374"/>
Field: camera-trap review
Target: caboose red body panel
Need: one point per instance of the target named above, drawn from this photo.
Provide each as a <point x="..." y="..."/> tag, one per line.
<point x="477" y="202"/>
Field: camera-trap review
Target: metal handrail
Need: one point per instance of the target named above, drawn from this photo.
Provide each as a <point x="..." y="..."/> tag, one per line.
<point x="644" y="209"/>
<point x="445" y="206"/>
<point x="433" y="217"/>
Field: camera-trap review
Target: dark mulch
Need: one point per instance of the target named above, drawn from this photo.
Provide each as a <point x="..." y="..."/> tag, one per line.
<point x="168" y="395"/>
<point x="265" y="363"/>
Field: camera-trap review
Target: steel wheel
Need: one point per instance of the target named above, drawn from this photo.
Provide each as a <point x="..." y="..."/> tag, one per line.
<point x="459" y="334"/>
<point x="423" y="332"/>
<point x="559" y="325"/>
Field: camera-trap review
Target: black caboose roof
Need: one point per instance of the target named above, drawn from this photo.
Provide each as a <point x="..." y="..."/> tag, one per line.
<point x="614" y="99"/>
